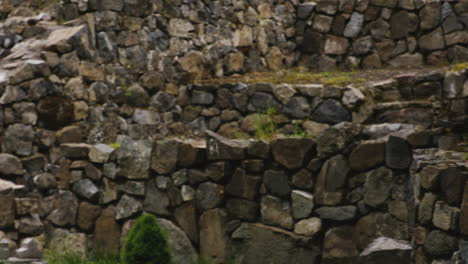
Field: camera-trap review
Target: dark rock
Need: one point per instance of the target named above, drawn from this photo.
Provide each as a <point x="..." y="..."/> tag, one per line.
<point x="209" y="195"/>
<point x="292" y="152"/>
<point x="339" y="243"/>
<point x="303" y="179"/>
<point x="55" y="112"/>
<point x="439" y="244"/>
<point x="156" y="200"/>
<point x="260" y="102"/>
<point x="302" y="204"/>
<point x="333" y="174"/>
<point x="45" y="181"/>
<point x="332" y="112"/>
<point x="297" y="107"/>
<point x="452" y="181"/>
<point x="186" y="217"/>
<point x="75" y="150"/>
<point x="242" y="209"/>
<point x="277" y="183"/>
<point x="399" y="154"/>
<point x="243" y="185"/>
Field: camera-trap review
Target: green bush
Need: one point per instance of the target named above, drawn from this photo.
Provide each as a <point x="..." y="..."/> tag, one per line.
<point x="146" y="243"/>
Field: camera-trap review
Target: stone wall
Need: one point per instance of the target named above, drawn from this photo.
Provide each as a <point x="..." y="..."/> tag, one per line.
<point x="313" y="201"/>
<point x="374" y="34"/>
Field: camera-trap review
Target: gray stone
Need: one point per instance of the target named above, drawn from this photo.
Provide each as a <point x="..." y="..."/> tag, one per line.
<point x="133" y="157"/>
<point x="378" y="186"/>
<point x="146" y="117"/>
<point x="163" y="101"/>
<point x="202" y="97"/>
<point x="432" y="41"/>
<point x="261" y="102"/>
<point x="65" y="209"/>
<point x="127" y="207"/>
<point x="453" y="84"/>
<point x="302" y="204"/>
<point x="156" y="200"/>
<point x="29" y="249"/>
<point x="45" y="181"/>
<point x="354" y="26"/>
<point x="305" y="9"/>
<point x="297" y="107"/>
<point x="7" y="208"/>
<point x="439" y="243"/>
<point x="100" y="153"/>
<point x="18" y="139"/>
<point x="10" y="165"/>
<point x="339" y="213"/>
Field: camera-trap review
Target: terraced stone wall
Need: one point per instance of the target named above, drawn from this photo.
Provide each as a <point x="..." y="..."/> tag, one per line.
<point x="375" y="34"/>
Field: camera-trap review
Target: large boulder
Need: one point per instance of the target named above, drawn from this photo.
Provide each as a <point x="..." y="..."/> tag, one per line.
<point x="221" y="148"/>
<point x="181" y="248"/>
<point x="260" y="244"/>
<point x="332" y="112"/>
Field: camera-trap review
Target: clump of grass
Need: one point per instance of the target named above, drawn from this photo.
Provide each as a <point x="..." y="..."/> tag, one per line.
<point x="298" y="131"/>
<point x="54" y="257"/>
<point x="265" y="125"/>
<point x="459" y="67"/>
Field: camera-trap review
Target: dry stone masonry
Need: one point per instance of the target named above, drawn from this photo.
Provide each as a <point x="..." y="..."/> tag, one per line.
<point x="102" y="118"/>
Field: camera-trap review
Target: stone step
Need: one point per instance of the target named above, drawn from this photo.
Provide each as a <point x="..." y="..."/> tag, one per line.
<point x="408" y="112"/>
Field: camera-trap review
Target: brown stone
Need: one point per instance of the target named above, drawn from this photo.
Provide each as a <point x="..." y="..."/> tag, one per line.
<point x="7" y="208"/>
<point x="213" y="237"/>
<point x="186" y="217"/>
<point x="338" y="243"/>
<point x="452" y="181"/>
<point x="87" y="215"/>
<point x="292" y="152"/>
<point x="107" y="231"/>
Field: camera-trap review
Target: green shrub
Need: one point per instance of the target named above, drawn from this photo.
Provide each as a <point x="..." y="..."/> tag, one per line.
<point x="146" y="243"/>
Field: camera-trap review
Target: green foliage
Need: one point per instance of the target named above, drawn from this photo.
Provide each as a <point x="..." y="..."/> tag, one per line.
<point x="298" y="131"/>
<point x="53" y="257"/>
<point x="115" y="145"/>
<point x="146" y="243"/>
<point x="466" y="156"/>
<point x="265" y="125"/>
